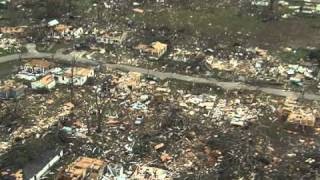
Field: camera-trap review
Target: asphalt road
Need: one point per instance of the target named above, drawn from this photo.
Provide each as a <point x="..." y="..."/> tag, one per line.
<point x="32" y="53"/>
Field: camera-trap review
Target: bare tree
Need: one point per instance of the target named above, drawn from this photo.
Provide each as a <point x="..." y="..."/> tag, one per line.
<point x="73" y="63"/>
<point x="85" y="110"/>
<point x="101" y="95"/>
<point x="95" y="105"/>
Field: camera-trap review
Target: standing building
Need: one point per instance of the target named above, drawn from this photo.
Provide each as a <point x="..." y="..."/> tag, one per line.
<point x="33" y="69"/>
<point x="46" y="83"/>
<point x="155" y="50"/>
<point x="78" y="74"/>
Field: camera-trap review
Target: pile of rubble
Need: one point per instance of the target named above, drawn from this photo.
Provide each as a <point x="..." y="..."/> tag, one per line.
<point x="183" y="55"/>
<point x="221" y="110"/>
<point x="297" y="114"/>
<point x="289" y="8"/>
<point x="65" y="32"/>
<point x="263" y="67"/>
<point x="145" y="123"/>
<point x="42" y="121"/>
<point x="9" y="46"/>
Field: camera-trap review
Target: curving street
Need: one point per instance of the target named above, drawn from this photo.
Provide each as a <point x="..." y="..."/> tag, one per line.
<point x="32" y="53"/>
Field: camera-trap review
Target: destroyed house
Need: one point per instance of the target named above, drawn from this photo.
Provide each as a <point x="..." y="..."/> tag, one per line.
<point x="8" y="175"/>
<point x="83" y="168"/>
<point x="151" y="173"/>
<point x="61" y="28"/>
<point x="156" y="49"/>
<point x="112" y="38"/>
<point x="12" y="30"/>
<point x="131" y="80"/>
<point x="302" y="118"/>
<point x="47" y="83"/>
<point x="10" y="89"/>
<point x="289" y="105"/>
<point x="65" y="31"/>
<point x="293" y="113"/>
<point x="78" y="74"/>
<point x="37" y="66"/>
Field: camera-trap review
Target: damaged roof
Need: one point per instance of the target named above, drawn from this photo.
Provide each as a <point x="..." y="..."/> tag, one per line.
<point x="39" y="63"/>
<point x="18" y="29"/>
<point x="301" y="117"/>
<point x="79" y="71"/>
<point x="47" y="79"/>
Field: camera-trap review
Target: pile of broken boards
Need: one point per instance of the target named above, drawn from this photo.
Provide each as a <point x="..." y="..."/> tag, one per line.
<point x="221" y="110"/>
<point x="8" y="174"/>
<point x="135" y="99"/>
<point x="62" y="31"/>
<point x="91" y="168"/>
<point x="184" y="55"/>
<point x="11" y="89"/>
<point x="10" y="45"/>
<point x="134" y="92"/>
<point x="298" y="114"/>
<point x="59" y="31"/>
<point x="69" y="126"/>
<point x="42" y="121"/>
<point x="264" y="67"/>
<point x="8" y="39"/>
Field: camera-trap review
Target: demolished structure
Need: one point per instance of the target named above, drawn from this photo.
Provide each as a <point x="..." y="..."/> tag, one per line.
<point x="295" y="114"/>
<point x="151" y="173"/>
<point x="11" y="89"/>
<point x="181" y="118"/>
<point x="66" y="32"/>
<point x="12" y="30"/>
<point x="83" y="168"/>
<point x="7" y="175"/>
<point x="112" y="37"/>
<point x="155" y="50"/>
<point x="303" y="118"/>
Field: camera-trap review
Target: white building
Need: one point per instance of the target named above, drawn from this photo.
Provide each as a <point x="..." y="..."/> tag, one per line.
<point x="33" y="69"/>
<point x="80" y="76"/>
<point x="47" y="82"/>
